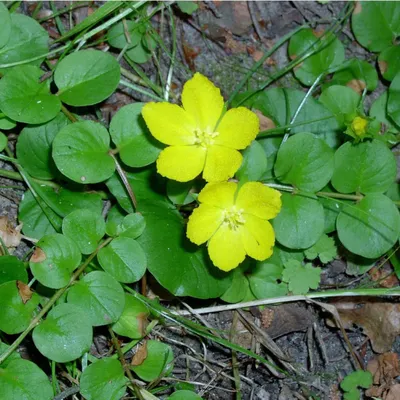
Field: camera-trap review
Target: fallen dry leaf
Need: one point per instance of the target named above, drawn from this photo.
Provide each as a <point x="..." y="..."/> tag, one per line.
<point x="10" y="236"/>
<point x="357" y="85"/>
<point x="384" y="276"/>
<point x="38" y="255"/>
<point x="140" y="355"/>
<point x="383" y="65"/>
<point x="267" y="316"/>
<point x="190" y="55"/>
<point x="24" y="291"/>
<point x="265" y="122"/>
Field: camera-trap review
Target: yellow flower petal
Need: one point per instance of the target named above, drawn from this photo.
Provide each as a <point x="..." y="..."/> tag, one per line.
<point x="203" y="101"/>
<point x="226" y="248"/>
<point x="203" y="223"/>
<point x="258" y="238"/>
<point x="259" y="200"/>
<point x="169" y="123"/>
<point x="181" y="163"/>
<point x="221" y="163"/>
<point x="238" y="128"/>
<point x="220" y="195"/>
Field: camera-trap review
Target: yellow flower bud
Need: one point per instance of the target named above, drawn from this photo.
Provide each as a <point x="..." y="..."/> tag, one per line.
<point x="359" y="126"/>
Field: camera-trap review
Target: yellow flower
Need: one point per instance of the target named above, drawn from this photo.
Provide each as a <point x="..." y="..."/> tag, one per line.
<point x="196" y="143"/>
<point x="235" y="222"/>
<point x="359" y="126"/>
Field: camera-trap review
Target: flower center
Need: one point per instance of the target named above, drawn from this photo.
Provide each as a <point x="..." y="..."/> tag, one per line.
<point x="204" y="138"/>
<point x="233" y="218"/>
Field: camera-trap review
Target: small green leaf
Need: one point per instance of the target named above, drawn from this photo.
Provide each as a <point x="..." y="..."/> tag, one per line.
<point x="117" y="34"/>
<point x="184" y="394"/>
<point x="379" y="111"/>
<point x="114" y="218"/>
<point x="55" y="258"/>
<point x="137" y="148"/>
<point x="124" y="259"/>
<point x="24" y="99"/>
<point x="305" y="162"/>
<point x="65" y="334"/>
<point x="301" y="221"/>
<point x="103" y="380"/>
<point x="86" y="77"/>
<point x="389" y="62"/>
<point x="254" y="163"/>
<point x="86" y="228"/>
<point x="325" y="249"/>
<point x="357" y="265"/>
<point x="12" y="269"/>
<point x="7" y="123"/>
<point x="132" y="226"/>
<point x="5" y="25"/>
<point x="188" y="7"/>
<point x="157" y="363"/>
<point x="371" y="227"/>
<point x="367" y="167"/>
<point x="332" y="208"/>
<point x="356" y="379"/>
<point x="3" y="141"/>
<point x="24" y="380"/>
<point x="143" y="51"/>
<point x="179" y="192"/>
<point x="13" y="356"/>
<point x="330" y="55"/>
<point x="80" y="151"/>
<point x="301" y="278"/>
<point x="342" y="101"/>
<point x="34" y="147"/>
<point x="26" y="40"/>
<point x="375" y="24"/>
<point x="239" y="286"/>
<point x="16" y="311"/>
<point x="393" y="104"/>
<point x="133" y="321"/>
<point x="356" y="74"/>
<point x="100" y="295"/>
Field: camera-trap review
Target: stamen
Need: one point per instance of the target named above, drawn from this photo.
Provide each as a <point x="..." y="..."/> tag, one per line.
<point x="204" y="138"/>
<point x="234" y="218"/>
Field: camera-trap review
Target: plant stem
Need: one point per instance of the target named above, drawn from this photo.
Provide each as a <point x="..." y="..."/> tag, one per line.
<point x="35" y="321"/>
<point x="68" y="113"/>
<point x="140" y="90"/>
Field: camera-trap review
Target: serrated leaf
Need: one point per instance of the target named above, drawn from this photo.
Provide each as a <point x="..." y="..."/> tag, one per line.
<point x="124" y="259"/>
<point x="65" y="334"/>
<point x="80" y="151"/>
<point x="371" y="227"/>
<point x="254" y="164"/>
<point x="300" y="222"/>
<point x="24" y="99"/>
<point x="301" y="278"/>
<point x="103" y="380"/>
<point x="86" y="228"/>
<point x="100" y="295"/>
<point x="367" y="167"/>
<point x="12" y="269"/>
<point x="305" y="162"/>
<point x="54" y="259"/>
<point x="16" y="313"/>
<point x="34" y="147"/>
<point x="86" y="77"/>
<point x="325" y="249"/>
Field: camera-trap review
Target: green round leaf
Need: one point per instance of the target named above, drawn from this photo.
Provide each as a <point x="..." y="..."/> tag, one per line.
<point x="376" y="24"/>
<point x="179" y="192"/>
<point x="342" y="102"/>
<point x="12" y="269"/>
<point x="103" y="380"/>
<point x="300" y="222"/>
<point x="305" y="162"/>
<point x="54" y="259"/>
<point x="86" y="228"/>
<point x="356" y="74"/>
<point x="137" y="148"/>
<point x="367" y="167"/>
<point x="24" y="99"/>
<point x="371" y="227"/>
<point x="393" y="105"/>
<point x="16" y="311"/>
<point x="132" y="226"/>
<point x="159" y="361"/>
<point x="114" y="218"/>
<point x="124" y="259"/>
<point x="184" y="394"/>
<point x="80" y="151"/>
<point x="24" y="380"/>
<point x="142" y="52"/>
<point x="116" y="35"/>
<point x="86" y="77"/>
<point x="254" y="163"/>
<point x="133" y="321"/>
<point x="332" y="208"/>
<point x="100" y="295"/>
<point x="378" y="110"/>
<point x="26" y="40"/>
<point x="389" y="62"/>
<point x="7" y="123"/>
<point x="13" y="356"/>
<point x="330" y="55"/>
<point x="65" y="334"/>
<point x="5" y="25"/>
<point x="3" y="141"/>
<point x="239" y="286"/>
<point x="34" y="147"/>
